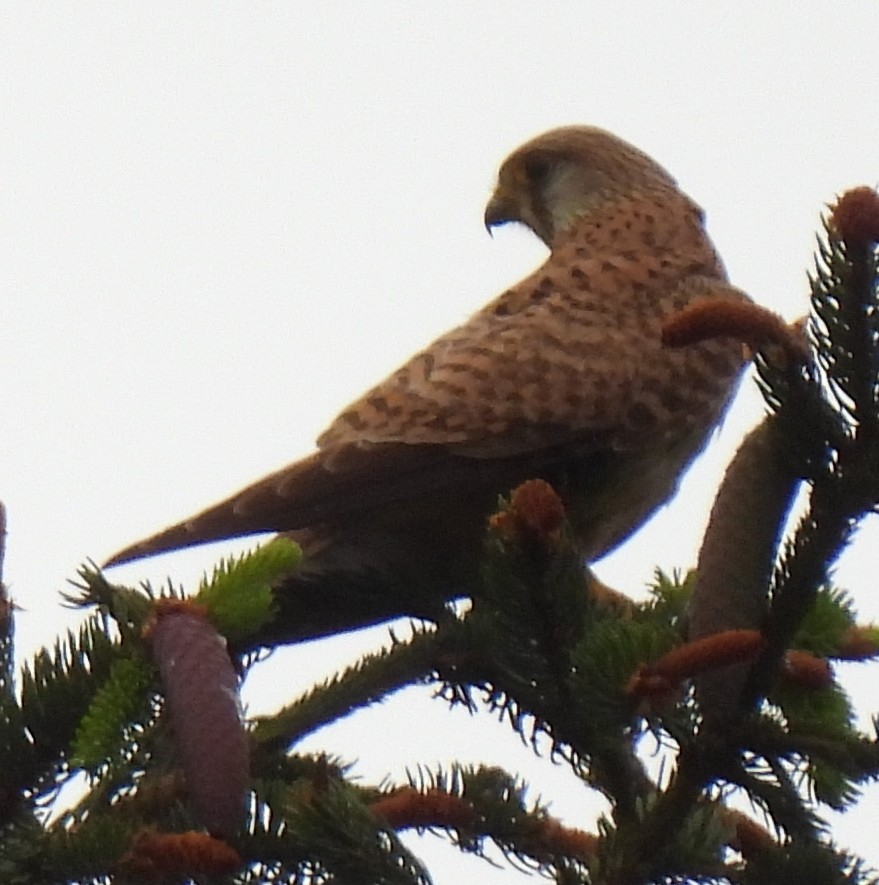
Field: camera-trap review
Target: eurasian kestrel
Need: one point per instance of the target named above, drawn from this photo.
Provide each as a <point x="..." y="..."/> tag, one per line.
<point x="562" y="377"/>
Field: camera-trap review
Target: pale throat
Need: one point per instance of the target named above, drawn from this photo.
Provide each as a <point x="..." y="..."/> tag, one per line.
<point x="571" y="193"/>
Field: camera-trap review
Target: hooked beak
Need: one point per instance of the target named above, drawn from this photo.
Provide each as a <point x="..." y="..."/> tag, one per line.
<point x="500" y="210"/>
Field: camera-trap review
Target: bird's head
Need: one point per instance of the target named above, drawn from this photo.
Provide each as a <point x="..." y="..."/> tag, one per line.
<point x="566" y="173"/>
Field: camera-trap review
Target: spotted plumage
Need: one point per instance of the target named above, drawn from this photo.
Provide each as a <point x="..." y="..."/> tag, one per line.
<point x="562" y="377"/>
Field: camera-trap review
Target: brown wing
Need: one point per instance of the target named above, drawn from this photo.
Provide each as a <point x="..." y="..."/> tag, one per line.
<point x="330" y="487"/>
<point x="574" y="351"/>
<point x="492" y="385"/>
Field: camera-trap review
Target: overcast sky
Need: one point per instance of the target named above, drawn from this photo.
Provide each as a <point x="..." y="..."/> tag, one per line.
<point x="222" y="222"/>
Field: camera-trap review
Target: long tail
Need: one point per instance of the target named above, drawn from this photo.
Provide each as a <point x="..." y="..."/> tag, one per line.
<point x="273" y="504"/>
<point x="212" y="525"/>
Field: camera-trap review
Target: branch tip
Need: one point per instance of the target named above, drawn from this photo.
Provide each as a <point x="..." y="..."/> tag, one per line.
<point x="855" y="216"/>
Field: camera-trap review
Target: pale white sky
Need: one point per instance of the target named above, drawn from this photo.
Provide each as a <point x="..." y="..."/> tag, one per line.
<point x="223" y="221"/>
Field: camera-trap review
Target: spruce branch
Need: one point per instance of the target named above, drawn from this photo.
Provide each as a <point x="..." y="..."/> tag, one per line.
<point x="368" y="682"/>
<point x="844" y="483"/>
<point x="552" y="651"/>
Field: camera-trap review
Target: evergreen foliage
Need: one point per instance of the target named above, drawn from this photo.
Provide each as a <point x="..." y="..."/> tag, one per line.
<point x="562" y="660"/>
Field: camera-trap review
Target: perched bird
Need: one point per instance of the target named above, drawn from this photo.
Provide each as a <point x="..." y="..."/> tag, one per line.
<point x="563" y="377"/>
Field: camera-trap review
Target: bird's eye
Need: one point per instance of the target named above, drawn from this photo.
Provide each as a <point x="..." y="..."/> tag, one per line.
<point x="537" y="168"/>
